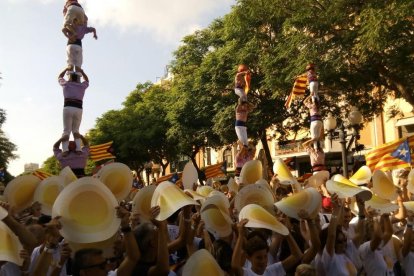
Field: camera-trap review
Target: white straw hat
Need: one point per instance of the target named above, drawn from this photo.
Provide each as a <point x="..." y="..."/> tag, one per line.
<point x="10" y="245"/>
<point x="87" y="211"/>
<point x="254" y="193"/>
<point x="309" y="199"/>
<point x="169" y="198"/>
<point x="260" y="218"/>
<point x="383" y="186"/>
<point x="362" y="176"/>
<point x="283" y="173"/>
<point x="202" y="263"/>
<point x="68" y="175"/>
<point x="47" y="192"/>
<point x="118" y="178"/>
<point x="190" y="175"/>
<point x="20" y="191"/>
<point x="251" y="172"/>
<point x="141" y="203"/>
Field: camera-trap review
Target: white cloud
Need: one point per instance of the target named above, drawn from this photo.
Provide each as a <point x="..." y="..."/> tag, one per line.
<point x="168" y="20"/>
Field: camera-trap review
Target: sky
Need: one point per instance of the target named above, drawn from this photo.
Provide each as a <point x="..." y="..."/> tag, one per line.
<point x="136" y="40"/>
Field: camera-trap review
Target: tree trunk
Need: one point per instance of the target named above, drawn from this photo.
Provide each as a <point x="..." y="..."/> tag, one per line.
<point x="192" y="157"/>
<point x="266" y="149"/>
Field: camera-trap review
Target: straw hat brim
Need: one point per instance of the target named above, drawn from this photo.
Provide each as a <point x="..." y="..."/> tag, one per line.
<point x="362" y="176"/>
<point x="283" y="173"/>
<point x="308" y="199"/>
<point x="251" y="172"/>
<point x="47" y="192"/>
<point x="68" y="175"/>
<point x="3" y="213"/>
<point x="118" y="178"/>
<point x="383" y="187"/>
<point x="169" y="198"/>
<point x="260" y="218"/>
<point x="318" y="179"/>
<point x="254" y="193"/>
<point x="383" y="206"/>
<point x="344" y="190"/>
<point x="202" y="263"/>
<point x="20" y="191"/>
<point x="10" y="245"/>
<point x="141" y="203"/>
<point x="216" y="221"/>
<point x="190" y="175"/>
<point x="87" y="211"/>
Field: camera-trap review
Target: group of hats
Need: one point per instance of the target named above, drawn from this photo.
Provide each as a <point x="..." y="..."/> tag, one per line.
<point x="86" y="206"/>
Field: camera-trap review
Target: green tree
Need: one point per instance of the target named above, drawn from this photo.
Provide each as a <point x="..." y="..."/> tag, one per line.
<point x="51" y="165"/>
<point x="7" y="148"/>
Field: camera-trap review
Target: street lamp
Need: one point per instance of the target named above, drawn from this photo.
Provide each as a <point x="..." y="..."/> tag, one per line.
<point x="354" y="122"/>
<point x="148" y="171"/>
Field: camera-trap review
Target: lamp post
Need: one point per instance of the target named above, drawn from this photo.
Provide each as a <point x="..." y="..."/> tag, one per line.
<point x="148" y="170"/>
<point x="354" y="120"/>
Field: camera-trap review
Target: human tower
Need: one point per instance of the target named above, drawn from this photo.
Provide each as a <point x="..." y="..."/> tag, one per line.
<point x="75" y="26"/>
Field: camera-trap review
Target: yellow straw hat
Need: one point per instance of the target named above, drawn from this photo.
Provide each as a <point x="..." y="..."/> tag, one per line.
<point x="345" y="188"/>
<point x="283" y="173"/>
<point x="317" y="179"/>
<point x="141" y="203"/>
<point x="260" y="218"/>
<point x="409" y="205"/>
<point x="194" y="194"/>
<point x="204" y="190"/>
<point x="381" y="205"/>
<point x="47" y="192"/>
<point x="383" y="187"/>
<point x="170" y="198"/>
<point x="308" y="199"/>
<point x="87" y="211"/>
<point x="362" y="176"/>
<point x="254" y="193"/>
<point x="190" y="175"/>
<point x="202" y="263"/>
<point x="3" y="213"/>
<point x="20" y="191"/>
<point x="251" y="172"/>
<point x="10" y="245"/>
<point x="68" y="175"/>
<point x="222" y="196"/>
<point x="118" y="178"/>
<point x="216" y="216"/>
<point x="233" y="186"/>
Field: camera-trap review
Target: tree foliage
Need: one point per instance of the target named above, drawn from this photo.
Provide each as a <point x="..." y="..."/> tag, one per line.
<point x="7" y="148"/>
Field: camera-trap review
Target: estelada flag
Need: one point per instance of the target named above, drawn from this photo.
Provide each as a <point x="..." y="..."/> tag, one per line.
<point x="298" y="90"/>
<point x="375" y="155"/>
<point x="41" y="174"/>
<point x="101" y="152"/>
<point x="216" y="170"/>
<point x="172" y="177"/>
<point x="399" y="158"/>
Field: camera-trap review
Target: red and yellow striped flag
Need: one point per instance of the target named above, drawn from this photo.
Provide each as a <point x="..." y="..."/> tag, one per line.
<point x="101" y="152"/>
<point x="168" y="177"/>
<point x="298" y="90"/>
<point x="380" y="157"/>
<point x="216" y="170"/>
<point x="41" y="174"/>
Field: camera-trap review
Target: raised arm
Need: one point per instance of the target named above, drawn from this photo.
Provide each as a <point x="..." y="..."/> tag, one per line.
<point x="62" y="74"/>
<point x="330" y="241"/>
<point x="57" y="144"/>
<point x="236" y="258"/>
<point x="312" y="235"/>
<point x="360" y="228"/>
<point x="84" y="140"/>
<point x="408" y="235"/>
<point x="295" y="254"/>
<point x="131" y="247"/>
<point x="85" y="77"/>
<point x="162" y="266"/>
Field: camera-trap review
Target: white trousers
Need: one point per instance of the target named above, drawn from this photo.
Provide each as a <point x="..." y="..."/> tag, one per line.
<point x="240" y="92"/>
<point x="315" y="129"/>
<point x="72" y="117"/>
<point x="241" y="132"/>
<point x="313" y="87"/>
<point x="74" y="55"/>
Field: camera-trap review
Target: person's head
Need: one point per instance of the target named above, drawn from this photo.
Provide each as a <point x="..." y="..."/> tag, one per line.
<point x="216" y="185"/>
<point x="38" y="231"/>
<point x="305" y="270"/>
<point x="256" y="248"/>
<point x="147" y="238"/>
<point x="242" y="67"/>
<point x="222" y="252"/>
<point x="74" y="77"/>
<point x="89" y="261"/>
<point x="310" y="66"/>
<point x="36" y="209"/>
<point x="72" y="146"/>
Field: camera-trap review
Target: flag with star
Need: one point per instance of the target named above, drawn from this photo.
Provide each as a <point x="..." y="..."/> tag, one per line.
<point x="399" y="158"/>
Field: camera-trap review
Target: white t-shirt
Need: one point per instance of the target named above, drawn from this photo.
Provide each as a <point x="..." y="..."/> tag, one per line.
<point x="373" y="261"/>
<point x="275" y="269"/>
<point x="408" y="264"/>
<point x="55" y="260"/>
<point x="338" y="264"/>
